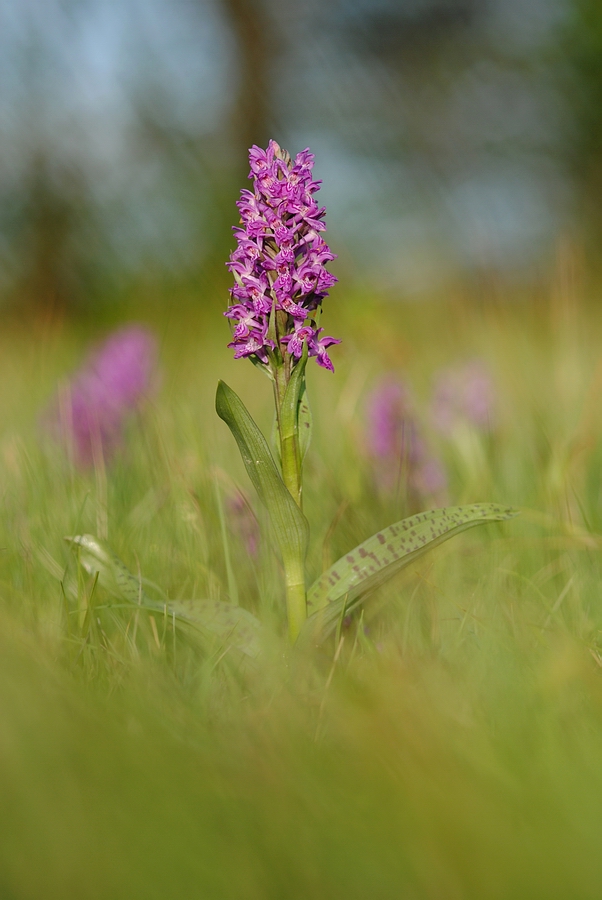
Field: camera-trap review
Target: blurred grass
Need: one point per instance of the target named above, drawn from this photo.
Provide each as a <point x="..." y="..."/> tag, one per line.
<point x="453" y="749"/>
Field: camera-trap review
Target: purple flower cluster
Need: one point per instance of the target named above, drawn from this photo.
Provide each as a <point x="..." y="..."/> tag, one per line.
<point x="279" y="262"/>
<point x="107" y="389"/>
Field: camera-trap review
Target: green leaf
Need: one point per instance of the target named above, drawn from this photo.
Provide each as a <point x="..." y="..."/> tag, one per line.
<point x="289" y="412"/>
<point x="289" y="427"/>
<point x="295" y="417"/>
<point x="265" y="369"/>
<point x="305" y="425"/>
<point x="232" y="624"/>
<point x="96" y="555"/>
<point x="291" y="529"/>
<point x="342" y="587"/>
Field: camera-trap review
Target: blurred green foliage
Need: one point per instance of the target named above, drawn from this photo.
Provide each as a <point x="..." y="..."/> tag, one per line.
<point x="451" y="747"/>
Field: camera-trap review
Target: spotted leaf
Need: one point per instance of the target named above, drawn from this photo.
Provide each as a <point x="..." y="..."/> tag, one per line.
<point x="343" y="587"/>
<point x="232" y="625"/>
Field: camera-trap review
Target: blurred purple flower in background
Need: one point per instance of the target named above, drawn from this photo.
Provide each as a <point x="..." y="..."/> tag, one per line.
<point x="463" y="394"/>
<point x="396" y="445"/>
<point x="244" y="523"/>
<point x="388" y="417"/>
<point x="92" y="411"/>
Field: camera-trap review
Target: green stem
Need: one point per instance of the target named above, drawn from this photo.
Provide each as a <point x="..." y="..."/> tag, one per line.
<point x="289" y="440"/>
<point x="279" y="383"/>
<point x="291" y="467"/>
<point x="296" y="603"/>
<point x="294" y="567"/>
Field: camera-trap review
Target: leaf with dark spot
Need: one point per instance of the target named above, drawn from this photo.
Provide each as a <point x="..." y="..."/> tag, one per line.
<point x="343" y="587"/>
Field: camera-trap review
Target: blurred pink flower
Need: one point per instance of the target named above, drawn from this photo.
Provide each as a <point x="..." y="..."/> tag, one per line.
<point x="243" y="523"/>
<point x="395" y="443"/>
<point x="463" y="394"/>
<point x="111" y="384"/>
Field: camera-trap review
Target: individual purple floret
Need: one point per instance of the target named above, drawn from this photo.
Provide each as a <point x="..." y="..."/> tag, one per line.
<point x="279" y="264"/>
<point x="464" y="394"/>
<point x="110" y="386"/>
<point x="396" y="445"/>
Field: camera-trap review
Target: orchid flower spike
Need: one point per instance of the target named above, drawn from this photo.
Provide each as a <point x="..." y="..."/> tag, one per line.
<point x="279" y="264"/>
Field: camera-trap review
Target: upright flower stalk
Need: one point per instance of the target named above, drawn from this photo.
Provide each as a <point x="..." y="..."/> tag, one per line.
<point x="281" y="281"/>
<point x="279" y="266"/>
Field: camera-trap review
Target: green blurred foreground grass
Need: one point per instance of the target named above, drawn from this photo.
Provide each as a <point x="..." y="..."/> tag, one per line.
<point x="452" y="751"/>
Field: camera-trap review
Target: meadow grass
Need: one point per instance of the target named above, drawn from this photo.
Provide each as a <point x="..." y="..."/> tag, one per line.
<point x="450" y="746"/>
